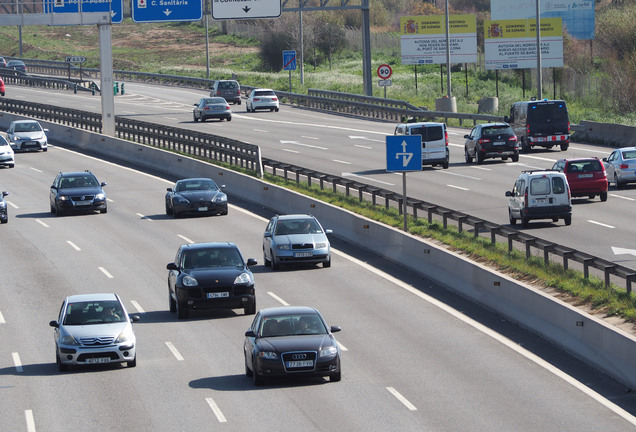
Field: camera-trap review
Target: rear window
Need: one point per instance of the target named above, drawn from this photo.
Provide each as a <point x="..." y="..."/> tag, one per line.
<point x="228" y="85"/>
<point x="429" y="133"/>
<point x="545" y="185"/>
<point x="585" y="166"/>
<point x="497" y="130"/>
<point x="264" y="93"/>
<point x="554" y="111"/>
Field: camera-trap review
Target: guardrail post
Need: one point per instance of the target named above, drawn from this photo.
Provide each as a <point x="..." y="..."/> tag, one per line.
<point x="122" y="88"/>
<point x="460" y="222"/>
<point x="116" y="88"/>
<point x="476" y="227"/>
<point x="529" y="243"/>
<point x="586" y="267"/>
<point x="75" y="88"/>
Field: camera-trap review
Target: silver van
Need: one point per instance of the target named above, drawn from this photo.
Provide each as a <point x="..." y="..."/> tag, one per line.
<point x="230" y="90"/>
<point x="541" y="194"/>
<point x="434" y="141"/>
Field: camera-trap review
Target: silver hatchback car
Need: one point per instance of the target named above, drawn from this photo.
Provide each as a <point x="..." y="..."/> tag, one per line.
<point x="94" y="329"/>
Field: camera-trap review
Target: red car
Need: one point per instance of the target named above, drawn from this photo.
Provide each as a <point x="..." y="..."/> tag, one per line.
<point x="586" y="176"/>
<point x="1" y="87"/>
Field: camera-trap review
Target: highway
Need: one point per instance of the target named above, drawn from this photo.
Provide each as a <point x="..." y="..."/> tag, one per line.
<point x="414" y="356"/>
<point x="353" y="147"/>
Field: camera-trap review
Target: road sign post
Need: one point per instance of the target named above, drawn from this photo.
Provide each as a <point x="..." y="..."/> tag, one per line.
<point x="403" y="153"/>
<point x="385" y="72"/>
<point x="289" y="63"/>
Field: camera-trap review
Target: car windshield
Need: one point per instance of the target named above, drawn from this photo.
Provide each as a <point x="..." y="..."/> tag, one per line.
<point x="27" y="127"/>
<point x="212" y="257"/>
<point x="3" y="142"/>
<point x="192" y="185"/>
<point x="78" y="182"/>
<point x="289" y="325"/>
<point x="297" y="226"/>
<point x="93" y="312"/>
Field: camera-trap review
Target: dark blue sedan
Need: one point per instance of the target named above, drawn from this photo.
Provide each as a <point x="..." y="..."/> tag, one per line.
<point x="195" y="196"/>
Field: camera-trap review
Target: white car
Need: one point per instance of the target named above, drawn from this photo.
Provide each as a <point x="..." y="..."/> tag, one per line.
<point x="94" y="329"/>
<point x="262" y="99"/>
<point x="7" y="158"/>
<point x="27" y="135"/>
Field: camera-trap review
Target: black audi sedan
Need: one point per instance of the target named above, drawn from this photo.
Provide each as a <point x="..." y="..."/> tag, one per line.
<point x="210" y="276"/>
<point x="291" y="341"/>
<point x="195" y="196"/>
<point x="77" y="192"/>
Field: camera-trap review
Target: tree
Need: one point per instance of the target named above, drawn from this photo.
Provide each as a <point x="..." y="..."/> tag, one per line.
<point x="330" y="38"/>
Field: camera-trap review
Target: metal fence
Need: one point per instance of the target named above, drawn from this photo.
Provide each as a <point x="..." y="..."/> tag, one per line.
<point x="216" y="148"/>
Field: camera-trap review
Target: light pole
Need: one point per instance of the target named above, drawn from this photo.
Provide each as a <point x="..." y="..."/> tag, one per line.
<point x="448" y="61"/>
<point x="539" y="91"/>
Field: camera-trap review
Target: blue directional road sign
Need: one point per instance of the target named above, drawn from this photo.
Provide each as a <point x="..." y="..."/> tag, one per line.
<point x="115" y="7"/>
<point x="289" y="60"/>
<point x="166" y="10"/>
<point x="403" y="153"/>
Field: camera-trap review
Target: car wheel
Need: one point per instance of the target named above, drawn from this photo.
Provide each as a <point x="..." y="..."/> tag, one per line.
<point x="524" y="222"/>
<point x="248" y="371"/>
<point x="104" y="210"/>
<point x="59" y="211"/>
<point x="515" y="157"/>
<point x="504" y="158"/>
<point x="60" y="366"/>
<point x="271" y="110"/>
<point x="335" y="377"/>
<point x="564" y="147"/>
<point x="175" y="214"/>
<point x="467" y="157"/>
<point x="275" y="264"/>
<point x="239" y="102"/>
<point x="12" y="166"/>
<point x="168" y="209"/>
<point x="194" y="116"/>
<point x="512" y="220"/>
<point x="327" y="264"/>
<point x="568" y="220"/>
<point x="52" y="209"/>
<point x="445" y="164"/>
<point x="603" y="196"/>
<point x="258" y="379"/>
<point x="250" y="309"/>
<point x="228" y="118"/>
<point x="276" y="109"/>
<point x="480" y="157"/>
<point x="525" y="146"/>
<point x="616" y="182"/>
<point x="266" y="262"/>
<point x="224" y="213"/>
<point x="133" y="362"/>
<point x="172" y="304"/>
<point x="44" y="149"/>
<point x="182" y="312"/>
<point x="247" y="108"/>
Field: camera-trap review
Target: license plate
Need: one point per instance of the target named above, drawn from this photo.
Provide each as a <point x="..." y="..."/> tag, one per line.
<point x="98" y="360"/>
<point x="82" y="203"/>
<point x="217" y="108"/>
<point x="540" y="139"/>
<point x="540" y="200"/>
<point x="218" y="294"/>
<point x="202" y="209"/>
<point x="499" y="142"/>
<point x="300" y="363"/>
<point x="303" y="254"/>
<point x="586" y="175"/>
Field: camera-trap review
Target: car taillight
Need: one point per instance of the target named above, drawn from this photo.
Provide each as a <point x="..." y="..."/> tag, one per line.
<point x="257" y="99"/>
<point x="525" y="199"/>
<point x="483" y="140"/>
<point x="446" y="137"/>
<point x="238" y="91"/>
<point x="218" y="92"/>
<point x="568" y="127"/>
<point x="513" y="139"/>
<point x="624" y="166"/>
<point x="274" y="99"/>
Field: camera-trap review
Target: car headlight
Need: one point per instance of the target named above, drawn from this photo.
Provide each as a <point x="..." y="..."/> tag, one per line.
<point x="329" y="351"/>
<point x="321" y="245"/>
<point x="243" y="279"/>
<point x="67" y="339"/>
<point x="125" y="335"/>
<point x="100" y="196"/>
<point x="63" y="198"/>
<point x="268" y="355"/>
<point x="189" y="281"/>
<point x="283" y="246"/>
<point x="220" y="198"/>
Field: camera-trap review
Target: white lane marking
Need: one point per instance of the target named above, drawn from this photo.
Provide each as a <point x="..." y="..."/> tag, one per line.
<point x="342" y="162"/>
<point x="291" y="151"/>
<point x="109" y="200"/>
<point x="137" y="306"/>
<point x="309" y="137"/>
<point x="41" y="223"/>
<point x="459" y="175"/>
<point x="458" y="187"/>
<point x="342" y="347"/>
<point x="143" y="216"/>
<point x="401" y="398"/>
<point x="103" y="270"/>
<point x="73" y="245"/>
<point x="2" y="321"/>
<point x="600" y="224"/>
<point x="539" y="158"/>
<point x="12" y="205"/>
<point x="174" y="351"/>
<point x="278" y="299"/>
<point x="588" y="150"/>
<point x="481" y="168"/>
<point x="496" y="336"/>
<point x="346" y="174"/>
<point x="185" y="238"/>
<point x="30" y="421"/>
<point x="622" y="197"/>
<point x="215" y="409"/>
<point x="303" y="145"/>
<point x="36" y="170"/>
<point x="172" y="118"/>
<point x="363" y="146"/>
<point x="260" y="130"/>
<point x="16" y="361"/>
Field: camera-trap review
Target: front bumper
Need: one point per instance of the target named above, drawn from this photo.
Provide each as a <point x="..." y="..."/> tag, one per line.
<point x="82" y="355"/>
<point x="314" y="256"/>
<point x="28" y="145"/>
<point x="79" y="206"/>
<point x="201" y="298"/>
<point x="193" y="208"/>
<point x="322" y="367"/>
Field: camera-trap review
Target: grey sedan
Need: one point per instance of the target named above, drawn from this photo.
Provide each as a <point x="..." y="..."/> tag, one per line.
<point x="620" y="166"/>
<point x="212" y="107"/>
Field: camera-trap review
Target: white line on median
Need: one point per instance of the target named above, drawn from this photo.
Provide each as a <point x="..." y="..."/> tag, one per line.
<point x="278" y="299"/>
<point x="342" y="162"/>
<point x="143" y="216"/>
<point x="30" y="422"/>
<point x="185" y="238"/>
<point x="622" y="197"/>
<point x="217" y="412"/>
<point x="137" y="306"/>
<point x="458" y="187"/>
<point x="601" y="224"/>
<point x="2" y="321"/>
<point x="103" y="270"/>
<point x="41" y="223"/>
<point x="17" y="362"/>
<point x="401" y="398"/>
<point x="73" y="245"/>
<point x="174" y="351"/>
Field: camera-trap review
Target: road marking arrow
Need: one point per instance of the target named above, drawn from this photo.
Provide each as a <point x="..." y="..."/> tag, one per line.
<point x="622" y="251"/>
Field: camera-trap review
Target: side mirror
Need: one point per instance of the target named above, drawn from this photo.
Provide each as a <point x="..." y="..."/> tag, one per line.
<point x="508" y="193"/>
<point x="172" y="266"/>
<point x="4" y="194"/>
<point x="466" y="136"/>
<point x="251" y="262"/>
<point x="250" y="333"/>
<point x="328" y="231"/>
<point x="134" y="318"/>
<point x="335" y="329"/>
<point x="103" y="184"/>
<point x="267" y="234"/>
<point x="169" y="189"/>
<point x="54" y="324"/>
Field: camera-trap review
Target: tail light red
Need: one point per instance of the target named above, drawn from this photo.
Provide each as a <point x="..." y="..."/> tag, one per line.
<point x="446" y="137"/>
<point x="624" y="166"/>
<point x="483" y="140"/>
<point x="568" y="127"/>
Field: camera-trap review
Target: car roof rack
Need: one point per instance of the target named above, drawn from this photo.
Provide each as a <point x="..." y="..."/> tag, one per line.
<point x="540" y="170"/>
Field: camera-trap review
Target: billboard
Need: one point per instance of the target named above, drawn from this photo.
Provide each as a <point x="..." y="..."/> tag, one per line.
<point x="423" y="39"/>
<point x="577" y="15"/>
<point x="512" y="44"/>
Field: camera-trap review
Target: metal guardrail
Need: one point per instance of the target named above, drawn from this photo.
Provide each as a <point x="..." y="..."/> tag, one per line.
<point x="248" y="156"/>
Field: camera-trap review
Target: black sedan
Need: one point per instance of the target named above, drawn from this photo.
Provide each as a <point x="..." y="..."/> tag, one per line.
<point x="77" y="192"/>
<point x="195" y="196"/>
<point x="291" y="341"/>
<point x="210" y="276"/>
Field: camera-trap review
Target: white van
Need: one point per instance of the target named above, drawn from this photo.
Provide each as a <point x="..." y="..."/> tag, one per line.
<point x="434" y="141"/>
<point x="542" y="194"/>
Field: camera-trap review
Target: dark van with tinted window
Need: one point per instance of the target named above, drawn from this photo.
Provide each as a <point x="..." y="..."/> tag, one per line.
<point x="543" y="123"/>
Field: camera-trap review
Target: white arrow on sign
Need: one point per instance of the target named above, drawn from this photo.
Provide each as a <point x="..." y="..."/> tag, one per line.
<point x="167" y="12"/>
<point x="622" y="251"/>
<point x="406" y="157"/>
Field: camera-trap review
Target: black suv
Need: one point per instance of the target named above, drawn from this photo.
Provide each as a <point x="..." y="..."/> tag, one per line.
<point x="210" y="276"/>
<point x="491" y="140"/>
<point x="77" y="192"/>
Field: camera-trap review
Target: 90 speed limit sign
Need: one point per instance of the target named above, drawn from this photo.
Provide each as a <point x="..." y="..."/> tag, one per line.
<point x="384" y="71"/>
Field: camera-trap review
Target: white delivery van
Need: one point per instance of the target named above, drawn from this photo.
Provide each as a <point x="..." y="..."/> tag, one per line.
<point x="434" y="141"/>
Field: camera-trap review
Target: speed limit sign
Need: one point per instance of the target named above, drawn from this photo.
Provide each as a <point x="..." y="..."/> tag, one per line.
<point x="384" y="71"/>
